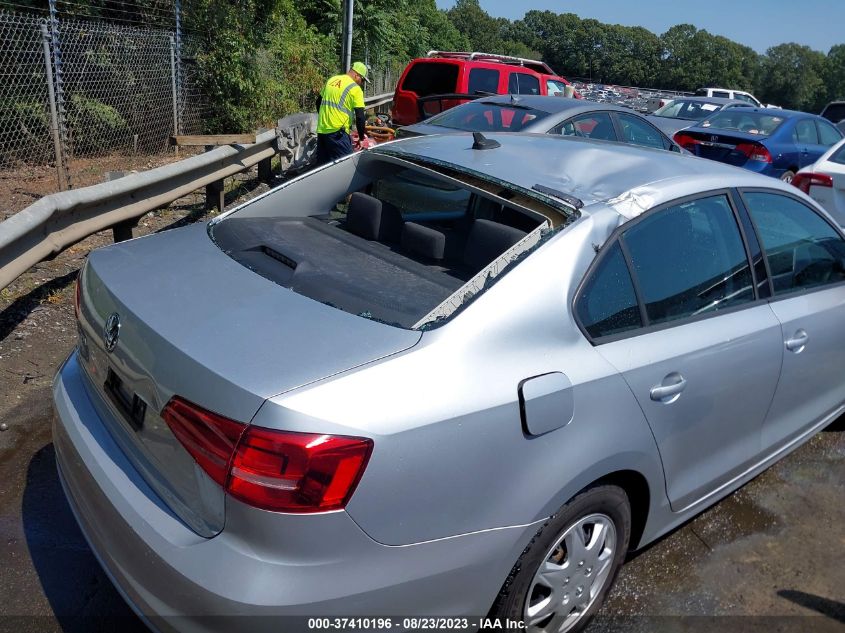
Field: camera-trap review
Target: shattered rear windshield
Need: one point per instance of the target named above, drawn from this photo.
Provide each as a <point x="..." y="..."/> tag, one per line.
<point x="409" y="245"/>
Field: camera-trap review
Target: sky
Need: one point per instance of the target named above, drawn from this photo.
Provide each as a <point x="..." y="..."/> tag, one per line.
<point x="759" y="24"/>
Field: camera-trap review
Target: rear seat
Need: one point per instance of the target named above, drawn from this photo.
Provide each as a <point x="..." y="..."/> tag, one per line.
<point x="373" y="220"/>
<point x="486" y="241"/>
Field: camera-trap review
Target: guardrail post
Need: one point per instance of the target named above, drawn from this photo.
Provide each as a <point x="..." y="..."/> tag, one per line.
<point x="215" y="196"/>
<point x="265" y="171"/>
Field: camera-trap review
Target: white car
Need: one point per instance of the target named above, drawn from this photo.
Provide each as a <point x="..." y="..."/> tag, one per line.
<point x="824" y="181"/>
<point x="727" y="93"/>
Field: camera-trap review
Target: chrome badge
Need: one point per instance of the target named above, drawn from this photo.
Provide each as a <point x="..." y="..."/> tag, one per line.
<point x="111" y="331"/>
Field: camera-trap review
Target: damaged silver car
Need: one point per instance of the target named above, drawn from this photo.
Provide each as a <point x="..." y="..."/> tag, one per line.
<point x="450" y="376"/>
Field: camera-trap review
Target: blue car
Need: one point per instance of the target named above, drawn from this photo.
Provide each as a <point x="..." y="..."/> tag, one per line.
<point x="769" y="141"/>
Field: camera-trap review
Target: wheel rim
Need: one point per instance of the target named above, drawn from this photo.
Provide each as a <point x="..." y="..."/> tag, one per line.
<point x="571" y="576"/>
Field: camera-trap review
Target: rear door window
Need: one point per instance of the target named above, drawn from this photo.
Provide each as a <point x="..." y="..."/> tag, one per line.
<point x="596" y="125"/>
<point x="431" y="78"/>
<point x="639" y="132"/>
<point x="689" y="260"/>
<point x="802" y="249"/>
<point x="523" y="84"/>
<point x="607" y="304"/>
<point x="828" y="135"/>
<point x="483" y="81"/>
<point x="805" y="132"/>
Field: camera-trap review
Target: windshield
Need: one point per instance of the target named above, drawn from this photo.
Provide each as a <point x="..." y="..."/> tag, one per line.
<point x="486" y="116"/>
<point x="687" y="110"/>
<point x="741" y="120"/>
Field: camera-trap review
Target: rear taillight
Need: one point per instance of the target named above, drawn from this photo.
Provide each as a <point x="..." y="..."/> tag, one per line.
<point x="754" y="151"/>
<point x="208" y="437"/>
<point x="686" y="141"/>
<point x="806" y="180"/>
<point x="269" y="469"/>
<point x="297" y="472"/>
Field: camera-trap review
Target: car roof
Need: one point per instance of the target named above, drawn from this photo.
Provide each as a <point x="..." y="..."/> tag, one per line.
<point x="550" y="104"/>
<point x="592" y="171"/>
<point x="718" y="100"/>
<point x="786" y="114"/>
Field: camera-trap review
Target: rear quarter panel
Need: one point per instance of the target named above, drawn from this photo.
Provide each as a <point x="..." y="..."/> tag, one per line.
<point x="450" y="453"/>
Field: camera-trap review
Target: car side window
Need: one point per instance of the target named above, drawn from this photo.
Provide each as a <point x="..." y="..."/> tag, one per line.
<point x="745" y="98"/>
<point x="689" y="259"/>
<point x="523" y="84"/>
<point x="596" y="125"/>
<point x="805" y="132"/>
<point x="721" y="94"/>
<point x="802" y="249"/>
<point x="607" y="303"/>
<point x="640" y="133"/>
<point x="828" y="135"/>
<point x="483" y="80"/>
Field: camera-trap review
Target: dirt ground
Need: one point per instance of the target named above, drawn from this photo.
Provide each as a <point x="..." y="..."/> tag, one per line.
<point x="23" y="185"/>
<point x="769" y="558"/>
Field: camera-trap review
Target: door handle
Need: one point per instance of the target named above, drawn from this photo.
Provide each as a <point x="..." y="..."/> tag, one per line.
<point x="668" y="390"/>
<point x="797" y="342"/>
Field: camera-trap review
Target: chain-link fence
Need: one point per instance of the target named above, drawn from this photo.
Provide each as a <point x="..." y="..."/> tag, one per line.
<point x="72" y="89"/>
<point x="24" y="106"/>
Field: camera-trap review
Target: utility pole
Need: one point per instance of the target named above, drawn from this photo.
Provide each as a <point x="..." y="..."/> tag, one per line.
<point x="346" y="48"/>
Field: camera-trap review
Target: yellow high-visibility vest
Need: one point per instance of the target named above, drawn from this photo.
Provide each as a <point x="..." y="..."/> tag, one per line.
<point x="340" y="96"/>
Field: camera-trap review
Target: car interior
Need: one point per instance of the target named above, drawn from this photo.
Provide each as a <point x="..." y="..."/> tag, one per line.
<point x="393" y="249"/>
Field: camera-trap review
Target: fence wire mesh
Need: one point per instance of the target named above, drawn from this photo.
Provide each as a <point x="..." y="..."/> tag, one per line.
<point x="24" y="107"/>
<point x="115" y="96"/>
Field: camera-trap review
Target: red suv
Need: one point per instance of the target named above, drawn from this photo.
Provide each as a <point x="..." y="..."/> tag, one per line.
<point x="443" y="80"/>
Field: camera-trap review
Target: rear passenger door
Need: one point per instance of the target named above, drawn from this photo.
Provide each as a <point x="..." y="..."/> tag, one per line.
<point x="806" y="258"/>
<point x="704" y="360"/>
<point x="807" y="139"/>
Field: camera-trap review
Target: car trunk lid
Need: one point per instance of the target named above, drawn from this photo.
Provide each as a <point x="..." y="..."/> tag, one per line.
<point x="195" y="323"/>
<point x="724" y="146"/>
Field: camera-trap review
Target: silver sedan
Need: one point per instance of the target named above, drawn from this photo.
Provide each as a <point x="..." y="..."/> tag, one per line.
<point x="448" y="377"/>
<point x="546" y="115"/>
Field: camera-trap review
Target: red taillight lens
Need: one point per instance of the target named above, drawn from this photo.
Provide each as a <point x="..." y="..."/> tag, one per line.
<point x="208" y="437"/>
<point x="686" y="141"/>
<point x="297" y="472"/>
<point x="806" y="180"/>
<point x="269" y="469"/>
<point x="754" y="151"/>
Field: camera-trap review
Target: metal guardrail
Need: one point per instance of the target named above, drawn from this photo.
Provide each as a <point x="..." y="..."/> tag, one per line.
<point x="59" y="220"/>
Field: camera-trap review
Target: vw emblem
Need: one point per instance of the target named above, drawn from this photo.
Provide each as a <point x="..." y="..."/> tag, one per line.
<point x="111" y="331"/>
<point x="714" y="138"/>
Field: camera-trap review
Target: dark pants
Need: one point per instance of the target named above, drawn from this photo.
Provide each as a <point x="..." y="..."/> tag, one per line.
<point x="333" y="146"/>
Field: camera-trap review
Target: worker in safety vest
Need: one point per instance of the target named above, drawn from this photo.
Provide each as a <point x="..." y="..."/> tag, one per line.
<point x="340" y="103"/>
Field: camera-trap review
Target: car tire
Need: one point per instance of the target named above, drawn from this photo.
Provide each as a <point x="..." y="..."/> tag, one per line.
<point x="787" y="176"/>
<point x="552" y="591"/>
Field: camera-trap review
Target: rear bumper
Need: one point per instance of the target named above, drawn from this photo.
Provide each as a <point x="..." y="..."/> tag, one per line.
<point x="263" y="563"/>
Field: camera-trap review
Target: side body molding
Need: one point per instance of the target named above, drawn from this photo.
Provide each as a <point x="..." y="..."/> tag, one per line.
<point x="546" y="403"/>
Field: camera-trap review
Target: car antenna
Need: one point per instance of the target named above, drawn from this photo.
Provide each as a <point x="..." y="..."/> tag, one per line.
<point x="482" y="142"/>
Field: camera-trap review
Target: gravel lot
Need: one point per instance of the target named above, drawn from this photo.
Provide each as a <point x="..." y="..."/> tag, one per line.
<point x="769" y="558"/>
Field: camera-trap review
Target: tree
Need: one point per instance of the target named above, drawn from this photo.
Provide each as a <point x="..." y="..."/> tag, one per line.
<point x="793" y="77"/>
